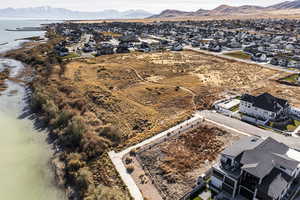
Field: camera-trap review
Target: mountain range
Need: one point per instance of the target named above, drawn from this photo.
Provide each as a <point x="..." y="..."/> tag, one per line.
<point x="48" y="12"/>
<point x="229" y="10"/>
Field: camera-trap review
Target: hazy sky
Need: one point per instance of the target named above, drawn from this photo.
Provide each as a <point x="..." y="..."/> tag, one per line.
<point x="150" y="5"/>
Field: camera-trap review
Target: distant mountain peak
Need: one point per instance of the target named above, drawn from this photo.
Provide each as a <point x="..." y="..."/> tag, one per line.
<point x="62" y="13"/>
<point x="230" y="10"/>
<point x="222" y="7"/>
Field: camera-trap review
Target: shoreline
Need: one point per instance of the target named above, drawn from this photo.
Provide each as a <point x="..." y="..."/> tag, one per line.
<point x="24" y="79"/>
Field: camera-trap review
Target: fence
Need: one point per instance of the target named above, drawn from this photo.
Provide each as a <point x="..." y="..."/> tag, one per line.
<point x="179" y="129"/>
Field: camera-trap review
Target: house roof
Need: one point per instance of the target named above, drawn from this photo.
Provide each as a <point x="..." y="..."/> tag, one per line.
<point x="261" y="160"/>
<point x="265" y="101"/>
<point x="274" y="184"/>
<point x="266" y="159"/>
<point x="241" y="145"/>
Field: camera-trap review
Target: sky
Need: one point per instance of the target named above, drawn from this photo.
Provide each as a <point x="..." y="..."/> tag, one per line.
<point x="154" y="6"/>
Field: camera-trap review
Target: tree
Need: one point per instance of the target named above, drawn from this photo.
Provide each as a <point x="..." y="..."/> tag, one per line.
<point x="73" y="133"/>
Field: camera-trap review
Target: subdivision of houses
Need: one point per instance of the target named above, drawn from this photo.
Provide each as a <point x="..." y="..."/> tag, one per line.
<point x="256" y="169"/>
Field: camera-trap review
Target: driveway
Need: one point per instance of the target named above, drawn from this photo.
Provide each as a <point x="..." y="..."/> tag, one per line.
<point x="243" y="127"/>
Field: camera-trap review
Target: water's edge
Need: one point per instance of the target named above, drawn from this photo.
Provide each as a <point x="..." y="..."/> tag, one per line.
<point x="27" y="169"/>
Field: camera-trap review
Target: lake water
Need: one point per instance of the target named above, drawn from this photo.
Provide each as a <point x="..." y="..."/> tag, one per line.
<point x="24" y="153"/>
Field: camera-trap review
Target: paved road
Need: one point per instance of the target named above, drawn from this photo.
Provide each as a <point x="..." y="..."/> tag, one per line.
<point x="246" y="128"/>
<point x="221" y="55"/>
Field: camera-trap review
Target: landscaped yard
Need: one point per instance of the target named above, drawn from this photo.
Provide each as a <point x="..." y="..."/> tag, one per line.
<point x="239" y="55"/>
<point x="197" y="198"/>
<point x="71" y="55"/>
<point x="292" y="79"/>
<point x="290" y="127"/>
<point x="235" y="108"/>
<point x="293" y="126"/>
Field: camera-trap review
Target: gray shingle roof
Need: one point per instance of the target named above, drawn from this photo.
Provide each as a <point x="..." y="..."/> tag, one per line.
<point x="274" y="184"/>
<point x="265" y="156"/>
<point x="265" y="101"/>
<point x="245" y="143"/>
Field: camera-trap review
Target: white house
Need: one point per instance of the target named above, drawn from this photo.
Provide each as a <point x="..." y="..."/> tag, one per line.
<point x="264" y="106"/>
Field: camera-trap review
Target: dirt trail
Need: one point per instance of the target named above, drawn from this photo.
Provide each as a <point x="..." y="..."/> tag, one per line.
<point x="156" y="82"/>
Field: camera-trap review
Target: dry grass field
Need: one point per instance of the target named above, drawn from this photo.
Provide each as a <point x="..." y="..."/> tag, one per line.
<point x="145" y="93"/>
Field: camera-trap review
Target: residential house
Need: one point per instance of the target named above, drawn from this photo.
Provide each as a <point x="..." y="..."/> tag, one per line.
<point x="260" y="57"/>
<point x="105" y="49"/>
<point x="264" y="106"/>
<point x="177" y="47"/>
<point x="123" y="48"/>
<point x="256" y="169"/>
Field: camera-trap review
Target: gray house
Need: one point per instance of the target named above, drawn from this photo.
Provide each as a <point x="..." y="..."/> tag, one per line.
<point x="256" y="169"/>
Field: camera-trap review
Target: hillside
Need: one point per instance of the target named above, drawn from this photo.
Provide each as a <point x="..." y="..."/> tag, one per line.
<point x="230" y="10"/>
<point x="286" y="5"/>
<point x="174" y="13"/>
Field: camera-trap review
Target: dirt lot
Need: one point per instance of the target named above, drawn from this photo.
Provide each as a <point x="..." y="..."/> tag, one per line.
<point x="176" y="164"/>
<point x="143" y="94"/>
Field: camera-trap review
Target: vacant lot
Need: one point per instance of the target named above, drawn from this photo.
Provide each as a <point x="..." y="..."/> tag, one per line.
<point x="176" y="164"/>
<point x="142" y="94"/>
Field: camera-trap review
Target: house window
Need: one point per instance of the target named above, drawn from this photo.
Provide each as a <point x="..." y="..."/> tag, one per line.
<point x="227" y="189"/>
<point x="229" y="182"/>
<point x="246" y="193"/>
<point x="218" y="174"/>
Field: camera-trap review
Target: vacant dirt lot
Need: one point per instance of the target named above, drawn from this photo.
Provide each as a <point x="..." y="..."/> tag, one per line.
<point x="176" y="164"/>
<point x="142" y="94"/>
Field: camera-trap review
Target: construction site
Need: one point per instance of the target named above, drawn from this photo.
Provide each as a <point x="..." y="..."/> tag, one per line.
<point x="173" y="166"/>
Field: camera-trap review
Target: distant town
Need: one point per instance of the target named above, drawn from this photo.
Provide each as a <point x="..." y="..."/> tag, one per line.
<point x="272" y="42"/>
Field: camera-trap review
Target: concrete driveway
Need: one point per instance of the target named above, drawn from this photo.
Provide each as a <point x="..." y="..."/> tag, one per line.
<point x="243" y="127"/>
